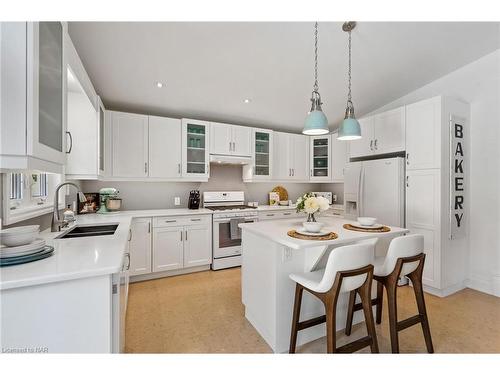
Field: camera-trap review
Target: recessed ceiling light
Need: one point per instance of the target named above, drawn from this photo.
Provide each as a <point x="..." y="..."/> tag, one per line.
<point x="159" y="85"/>
<point x="246" y="101"/>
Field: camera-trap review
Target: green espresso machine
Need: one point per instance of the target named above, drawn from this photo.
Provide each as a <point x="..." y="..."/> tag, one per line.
<point x="109" y="200"/>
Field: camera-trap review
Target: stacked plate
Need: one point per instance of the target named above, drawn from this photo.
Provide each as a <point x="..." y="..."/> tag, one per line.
<point x="20" y="245"/>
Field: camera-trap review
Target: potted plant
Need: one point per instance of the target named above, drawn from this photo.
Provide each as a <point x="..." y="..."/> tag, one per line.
<point x="310" y="204"/>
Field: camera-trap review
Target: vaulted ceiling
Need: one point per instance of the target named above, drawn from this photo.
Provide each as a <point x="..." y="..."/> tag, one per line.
<point x="210" y="68"/>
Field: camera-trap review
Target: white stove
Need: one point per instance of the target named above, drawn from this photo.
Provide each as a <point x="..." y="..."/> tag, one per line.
<point x="229" y="211"/>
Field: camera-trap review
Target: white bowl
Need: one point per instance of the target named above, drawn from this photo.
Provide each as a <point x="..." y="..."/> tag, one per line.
<point x="312" y="226"/>
<point x="368" y="221"/>
<point x="18" y="236"/>
<point x="283" y="203"/>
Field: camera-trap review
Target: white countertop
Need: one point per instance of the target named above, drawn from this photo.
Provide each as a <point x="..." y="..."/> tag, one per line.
<point x="276" y="230"/>
<point x="83" y="257"/>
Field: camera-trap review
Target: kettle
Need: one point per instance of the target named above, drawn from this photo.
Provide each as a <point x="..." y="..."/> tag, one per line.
<point x="194" y="200"/>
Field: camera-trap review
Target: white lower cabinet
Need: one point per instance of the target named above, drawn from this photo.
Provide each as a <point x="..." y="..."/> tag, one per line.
<point x="423" y="216"/>
<point x="183" y="242"/>
<point x="140" y="246"/>
<point x="168" y="248"/>
<point x="197" y="248"/>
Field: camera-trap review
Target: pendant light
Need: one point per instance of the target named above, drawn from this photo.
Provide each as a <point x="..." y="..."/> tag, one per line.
<point x="349" y="129"/>
<point x="316" y="122"/>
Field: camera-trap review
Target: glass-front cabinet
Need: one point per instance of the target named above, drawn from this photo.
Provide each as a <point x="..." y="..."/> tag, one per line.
<point x="45" y="88"/>
<point x="262" y="156"/>
<point x="320" y="158"/>
<point x="195" y="141"/>
<point x="33" y="79"/>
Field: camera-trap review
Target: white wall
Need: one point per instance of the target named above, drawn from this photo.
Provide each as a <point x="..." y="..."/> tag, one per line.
<point x="477" y="83"/>
<point x="151" y="195"/>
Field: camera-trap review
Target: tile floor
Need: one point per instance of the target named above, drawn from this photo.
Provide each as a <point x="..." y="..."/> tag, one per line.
<point x="202" y="313"/>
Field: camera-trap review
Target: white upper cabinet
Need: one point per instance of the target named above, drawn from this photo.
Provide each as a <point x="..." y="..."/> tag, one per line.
<point x="165" y="147"/>
<point x="220" y="139"/>
<point x="340" y="157"/>
<point x="195" y="148"/>
<point x="228" y="139"/>
<point x="300" y="155"/>
<point x="389" y="131"/>
<point x="291" y="157"/>
<point x="130" y="144"/>
<point x="320" y="158"/>
<point x="423" y="134"/>
<point x="261" y="167"/>
<point x="364" y="146"/>
<point x="281" y="159"/>
<point x="242" y="141"/>
<point x="382" y="133"/>
<point x="33" y="106"/>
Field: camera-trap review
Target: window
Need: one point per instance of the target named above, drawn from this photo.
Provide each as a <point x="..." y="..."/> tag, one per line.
<point x="16" y="186"/>
<point x="28" y="194"/>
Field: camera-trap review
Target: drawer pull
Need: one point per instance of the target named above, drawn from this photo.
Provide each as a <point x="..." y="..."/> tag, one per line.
<point x="269" y="214"/>
<point x="170" y="221"/>
<point x="287" y="213"/>
<point x="196" y="219"/>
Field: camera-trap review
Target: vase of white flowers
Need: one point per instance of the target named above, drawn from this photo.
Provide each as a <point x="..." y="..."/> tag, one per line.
<point x="311" y="204"/>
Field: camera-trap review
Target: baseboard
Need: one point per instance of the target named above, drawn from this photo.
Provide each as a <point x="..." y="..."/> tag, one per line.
<point x="158" y="275"/>
<point x="446" y="291"/>
<point x="482" y="284"/>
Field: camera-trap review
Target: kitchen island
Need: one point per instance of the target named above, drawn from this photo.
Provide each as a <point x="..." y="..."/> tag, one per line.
<point x="270" y="256"/>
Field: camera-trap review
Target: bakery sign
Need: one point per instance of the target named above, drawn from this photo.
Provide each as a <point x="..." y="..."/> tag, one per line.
<point x="458" y="153"/>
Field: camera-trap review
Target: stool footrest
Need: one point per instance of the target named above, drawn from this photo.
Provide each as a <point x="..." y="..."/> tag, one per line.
<point x="359" y="306"/>
<point x="355" y="345"/>
<point x="311" y="322"/>
<point x="408" y="322"/>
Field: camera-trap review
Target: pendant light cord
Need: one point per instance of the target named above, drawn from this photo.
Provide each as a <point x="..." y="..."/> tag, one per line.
<point x="349" y="96"/>
<point x="315" y="87"/>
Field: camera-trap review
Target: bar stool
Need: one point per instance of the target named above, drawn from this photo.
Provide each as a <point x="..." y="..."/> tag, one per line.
<point x="404" y="257"/>
<point x="348" y="268"/>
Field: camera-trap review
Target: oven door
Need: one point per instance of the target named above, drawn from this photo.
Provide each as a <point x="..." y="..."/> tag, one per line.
<point x="224" y="246"/>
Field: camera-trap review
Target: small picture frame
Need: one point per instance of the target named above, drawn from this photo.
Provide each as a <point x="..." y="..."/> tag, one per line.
<point x="91" y="205"/>
<point x="274" y="198"/>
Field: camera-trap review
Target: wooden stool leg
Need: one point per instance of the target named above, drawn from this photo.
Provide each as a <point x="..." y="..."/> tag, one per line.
<point x="365" y="294"/>
<point x="380" y="298"/>
<point x="419" y="296"/>
<point x="331" y="331"/>
<point x="296" y="316"/>
<point x="350" y="312"/>
<point x="391" y="287"/>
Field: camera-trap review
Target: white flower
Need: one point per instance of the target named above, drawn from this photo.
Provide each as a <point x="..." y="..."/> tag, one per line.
<point x="299" y="200"/>
<point x="323" y="203"/>
<point x="311" y="205"/>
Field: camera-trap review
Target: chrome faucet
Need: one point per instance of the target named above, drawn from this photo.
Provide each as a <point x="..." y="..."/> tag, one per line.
<point x="57" y="223"/>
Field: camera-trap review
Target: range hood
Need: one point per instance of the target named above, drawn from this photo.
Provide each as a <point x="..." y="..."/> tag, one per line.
<point x="230" y="159"/>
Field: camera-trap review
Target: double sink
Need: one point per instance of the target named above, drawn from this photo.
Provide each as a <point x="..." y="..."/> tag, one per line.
<point x="89" y="231"/>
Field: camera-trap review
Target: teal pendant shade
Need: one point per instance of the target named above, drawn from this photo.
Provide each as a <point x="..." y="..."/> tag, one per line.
<point x="349" y="130"/>
<point x="316" y="123"/>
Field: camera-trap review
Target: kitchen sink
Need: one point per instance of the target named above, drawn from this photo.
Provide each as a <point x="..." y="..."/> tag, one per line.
<point x="89" y="231"/>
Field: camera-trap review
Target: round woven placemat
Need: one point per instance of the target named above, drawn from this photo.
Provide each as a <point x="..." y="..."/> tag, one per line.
<point x="375" y="230"/>
<point x="330" y="236"/>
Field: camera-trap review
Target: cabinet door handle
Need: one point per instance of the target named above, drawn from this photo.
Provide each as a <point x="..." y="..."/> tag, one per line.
<point x="186" y="235"/>
<point x="179" y="168"/>
<point x="128" y="263"/>
<point x="293" y="172"/>
<point x="375" y="144"/>
<point x="269" y="214"/>
<point x="286" y="213"/>
<point x="407" y="181"/>
<point x="196" y="219"/>
<point x="146" y="167"/>
<point x="371" y="145"/>
<point x="407" y="158"/>
<point x="70" y="142"/>
<point x="170" y="221"/>
<point x="149" y="227"/>
<point x="181" y="235"/>
<point x="130" y="234"/>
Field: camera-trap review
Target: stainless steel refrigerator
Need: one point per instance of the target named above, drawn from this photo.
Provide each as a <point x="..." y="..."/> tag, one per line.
<point x="376" y="188"/>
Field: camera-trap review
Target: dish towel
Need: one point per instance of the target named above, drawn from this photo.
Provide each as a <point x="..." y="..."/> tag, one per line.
<point x="235" y="232"/>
